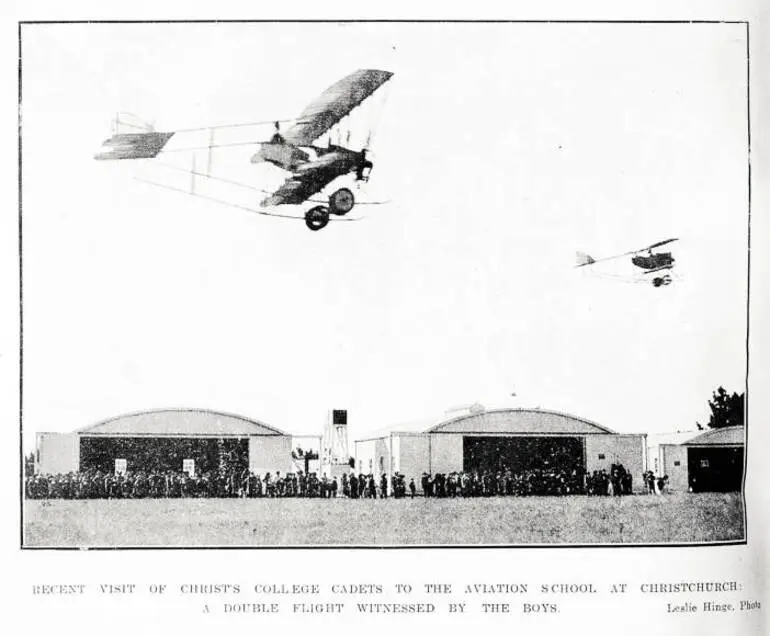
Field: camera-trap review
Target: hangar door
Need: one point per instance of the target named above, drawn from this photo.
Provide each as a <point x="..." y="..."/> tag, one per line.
<point x="161" y="454"/>
<point x="718" y="469"/>
<point x="519" y="454"/>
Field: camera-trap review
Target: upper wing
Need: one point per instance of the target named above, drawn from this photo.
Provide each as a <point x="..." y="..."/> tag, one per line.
<point x="300" y="187"/>
<point x="658" y="244"/>
<point x="333" y="104"/>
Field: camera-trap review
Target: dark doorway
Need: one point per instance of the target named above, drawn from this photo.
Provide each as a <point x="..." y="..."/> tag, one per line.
<point x="161" y="454"/>
<point x="520" y="454"/>
<point x="716" y="469"/>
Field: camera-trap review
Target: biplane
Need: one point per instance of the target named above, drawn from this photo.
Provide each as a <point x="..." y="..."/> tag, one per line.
<point x="645" y="259"/>
<point x="312" y="166"/>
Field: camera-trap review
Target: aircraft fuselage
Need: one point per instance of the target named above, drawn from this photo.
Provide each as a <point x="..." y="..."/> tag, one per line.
<point x="663" y="260"/>
<point x="283" y="155"/>
<point x="298" y="160"/>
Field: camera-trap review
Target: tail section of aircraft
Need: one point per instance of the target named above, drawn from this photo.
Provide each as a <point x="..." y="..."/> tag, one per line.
<point x="135" y="145"/>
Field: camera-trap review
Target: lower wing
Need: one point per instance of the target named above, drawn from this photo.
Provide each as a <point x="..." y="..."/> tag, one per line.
<point x="299" y="188"/>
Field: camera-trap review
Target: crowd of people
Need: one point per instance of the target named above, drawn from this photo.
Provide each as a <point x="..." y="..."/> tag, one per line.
<point x="95" y="484"/>
<point x="618" y="481"/>
<point x="533" y="481"/>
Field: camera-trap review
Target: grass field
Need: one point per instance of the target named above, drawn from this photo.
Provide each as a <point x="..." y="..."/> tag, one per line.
<point x="675" y="518"/>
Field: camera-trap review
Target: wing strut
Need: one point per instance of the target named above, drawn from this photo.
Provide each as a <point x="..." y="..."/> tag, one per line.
<point x="211" y="152"/>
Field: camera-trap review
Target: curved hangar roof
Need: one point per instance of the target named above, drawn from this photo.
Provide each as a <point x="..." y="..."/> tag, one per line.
<point x="518" y="421"/>
<point x="179" y="423"/>
<point x="727" y="436"/>
<point x="500" y="422"/>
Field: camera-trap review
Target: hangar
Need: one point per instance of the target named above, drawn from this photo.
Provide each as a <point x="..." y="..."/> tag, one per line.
<point x="495" y="439"/>
<point x="709" y="462"/>
<point x="167" y="439"/>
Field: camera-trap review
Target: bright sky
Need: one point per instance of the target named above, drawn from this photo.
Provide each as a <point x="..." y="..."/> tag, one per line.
<point x="504" y="149"/>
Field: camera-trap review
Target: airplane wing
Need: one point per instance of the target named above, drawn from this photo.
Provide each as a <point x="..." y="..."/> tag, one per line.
<point x="333" y="104"/>
<point x="300" y="187"/>
<point x="659" y="244"/>
<point x="658" y="269"/>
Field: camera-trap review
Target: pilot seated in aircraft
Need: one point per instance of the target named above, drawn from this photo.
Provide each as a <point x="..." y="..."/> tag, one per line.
<point x="277" y="138"/>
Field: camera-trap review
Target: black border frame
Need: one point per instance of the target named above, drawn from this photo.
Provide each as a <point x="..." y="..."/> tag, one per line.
<point x="743" y="541"/>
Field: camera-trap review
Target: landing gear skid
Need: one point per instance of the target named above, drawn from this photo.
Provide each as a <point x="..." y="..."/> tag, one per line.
<point x="317" y="218"/>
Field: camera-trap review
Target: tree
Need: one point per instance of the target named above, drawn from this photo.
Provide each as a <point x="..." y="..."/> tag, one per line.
<point x="29" y="465"/>
<point x="726" y="409"/>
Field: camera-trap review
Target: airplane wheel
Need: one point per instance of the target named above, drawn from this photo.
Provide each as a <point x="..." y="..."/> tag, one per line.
<point x="317" y="218"/>
<point x="341" y="202"/>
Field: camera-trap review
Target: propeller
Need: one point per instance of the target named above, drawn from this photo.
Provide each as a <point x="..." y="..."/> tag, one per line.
<point x="366" y="164"/>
